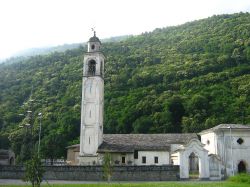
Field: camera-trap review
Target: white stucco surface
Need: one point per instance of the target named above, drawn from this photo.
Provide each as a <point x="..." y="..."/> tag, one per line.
<point x="92" y="104"/>
<point x="163" y="157"/>
<point x="228" y="149"/>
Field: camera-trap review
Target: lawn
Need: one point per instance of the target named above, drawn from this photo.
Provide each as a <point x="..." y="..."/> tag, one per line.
<point x="146" y="184"/>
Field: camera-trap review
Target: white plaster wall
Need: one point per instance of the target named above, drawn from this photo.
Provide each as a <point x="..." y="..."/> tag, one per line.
<point x="163" y="157"/>
<point x="175" y="158"/>
<point x="89" y="145"/>
<point x="239" y="152"/>
<point x="214" y="168"/>
<point x="211" y="147"/>
<point x="91" y="115"/>
<point x="220" y="144"/>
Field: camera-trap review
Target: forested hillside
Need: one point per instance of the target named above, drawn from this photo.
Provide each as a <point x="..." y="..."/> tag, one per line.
<point x="176" y="79"/>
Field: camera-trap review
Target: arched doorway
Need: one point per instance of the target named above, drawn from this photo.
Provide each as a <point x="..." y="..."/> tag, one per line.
<point x="200" y="159"/>
<point x="242" y="167"/>
<point x="193" y="166"/>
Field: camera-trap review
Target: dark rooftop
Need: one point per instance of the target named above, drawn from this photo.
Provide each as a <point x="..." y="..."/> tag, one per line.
<point x="131" y="142"/>
<point x="226" y="126"/>
<point x="94" y="39"/>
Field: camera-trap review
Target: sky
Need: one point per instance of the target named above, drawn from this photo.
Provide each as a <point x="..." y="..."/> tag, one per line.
<point x="41" y="23"/>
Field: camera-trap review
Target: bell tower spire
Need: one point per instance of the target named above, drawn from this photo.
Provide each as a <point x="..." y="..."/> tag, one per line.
<point x="92" y="102"/>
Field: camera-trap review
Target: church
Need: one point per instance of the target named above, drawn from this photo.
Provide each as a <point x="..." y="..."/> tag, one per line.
<point x="213" y="153"/>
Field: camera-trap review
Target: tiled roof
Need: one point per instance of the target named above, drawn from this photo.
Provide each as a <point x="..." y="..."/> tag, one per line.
<point x="94" y="39"/>
<point x="131" y="142"/>
<point x="226" y="126"/>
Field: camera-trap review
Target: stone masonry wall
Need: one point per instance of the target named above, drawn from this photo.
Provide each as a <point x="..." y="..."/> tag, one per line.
<point x="95" y="173"/>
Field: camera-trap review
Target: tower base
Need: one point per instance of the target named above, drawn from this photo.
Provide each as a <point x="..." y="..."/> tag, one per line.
<point x="88" y="160"/>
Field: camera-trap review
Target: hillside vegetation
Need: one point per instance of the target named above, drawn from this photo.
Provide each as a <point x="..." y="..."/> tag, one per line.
<point x="176" y="79"/>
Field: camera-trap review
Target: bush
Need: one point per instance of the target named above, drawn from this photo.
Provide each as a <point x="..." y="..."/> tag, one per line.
<point x="107" y="167"/>
<point x="34" y="171"/>
<point x="242" y="178"/>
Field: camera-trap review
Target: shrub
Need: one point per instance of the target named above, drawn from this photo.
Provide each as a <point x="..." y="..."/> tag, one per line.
<point x="34" y="171"/>
<point x="242" y="178"/>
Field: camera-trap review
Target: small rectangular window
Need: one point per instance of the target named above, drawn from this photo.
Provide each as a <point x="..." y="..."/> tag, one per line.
<point x="123" y="160"/>
<point x="156" y="159"/>
<point x="135" y="154"/>
<point x="144" y="160"/>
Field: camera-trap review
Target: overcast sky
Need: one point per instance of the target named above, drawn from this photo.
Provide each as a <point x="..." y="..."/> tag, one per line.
<point x="38" y="23"/>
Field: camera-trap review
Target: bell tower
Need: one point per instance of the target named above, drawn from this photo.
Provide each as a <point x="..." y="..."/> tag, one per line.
<point x="92" y="102"/>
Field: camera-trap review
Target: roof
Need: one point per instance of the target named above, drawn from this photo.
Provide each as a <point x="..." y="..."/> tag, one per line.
<point x="226" y="127"/>
<point x="94" y="39"/>
<point x="132" y="142"/>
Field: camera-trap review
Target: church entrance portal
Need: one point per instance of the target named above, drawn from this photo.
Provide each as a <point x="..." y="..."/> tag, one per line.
<point x="193" y="166"/>
<point x="194" y="160"/>
<point x="242" y="167"/>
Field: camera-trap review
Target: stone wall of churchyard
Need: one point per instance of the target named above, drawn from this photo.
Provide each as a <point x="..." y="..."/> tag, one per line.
<point x="95" y="173"/>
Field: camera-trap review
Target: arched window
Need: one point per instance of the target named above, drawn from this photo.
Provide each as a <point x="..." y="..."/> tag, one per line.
<point x="242" y="167"/>
<point x="92" y="67"/>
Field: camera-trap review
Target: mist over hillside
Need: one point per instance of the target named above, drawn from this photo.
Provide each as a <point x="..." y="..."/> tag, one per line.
<point x="47" y="50"/>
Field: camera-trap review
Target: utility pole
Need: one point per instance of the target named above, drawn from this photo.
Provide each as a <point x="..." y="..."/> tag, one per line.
<point x="40" y="129"/>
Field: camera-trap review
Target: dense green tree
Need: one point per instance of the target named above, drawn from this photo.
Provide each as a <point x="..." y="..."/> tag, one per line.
<point x="177" y="111"/>
<point x="176" y="79"/>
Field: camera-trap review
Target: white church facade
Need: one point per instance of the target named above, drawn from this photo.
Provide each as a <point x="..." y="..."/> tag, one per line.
<point x="220" y="151"/>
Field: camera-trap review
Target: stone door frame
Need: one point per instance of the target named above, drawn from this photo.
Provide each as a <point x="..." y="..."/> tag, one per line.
<point x="196" y="147"/>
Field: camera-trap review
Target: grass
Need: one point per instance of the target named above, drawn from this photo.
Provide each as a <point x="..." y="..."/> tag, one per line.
<point x="241" y="178"/>
<point x="146" y="184"/>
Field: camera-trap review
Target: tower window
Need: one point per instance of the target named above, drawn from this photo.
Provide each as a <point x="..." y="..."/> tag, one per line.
<point x="89" y="140"/>
<point x="93" y="47"/>
<point x="90" y="113"/>
<point x="92" y="67"/>
<point x="240" y="141"/>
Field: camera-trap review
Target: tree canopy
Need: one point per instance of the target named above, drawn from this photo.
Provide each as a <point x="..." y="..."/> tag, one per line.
<point x="176" y="79"/>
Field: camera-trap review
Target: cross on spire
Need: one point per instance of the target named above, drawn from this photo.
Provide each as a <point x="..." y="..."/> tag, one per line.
<point x="93" y="29"/>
